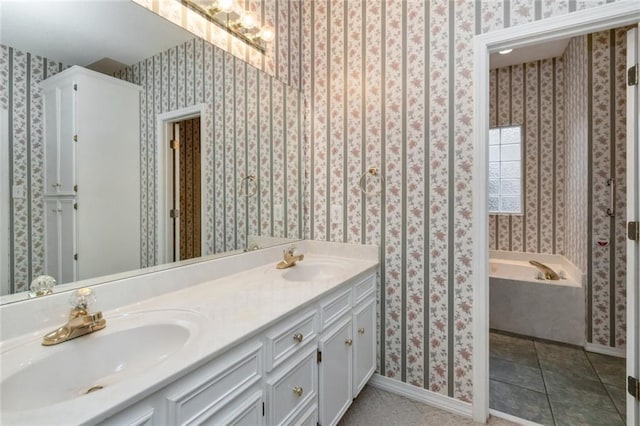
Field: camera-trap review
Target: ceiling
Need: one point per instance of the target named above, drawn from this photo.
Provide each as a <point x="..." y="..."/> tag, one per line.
<point x="82" y="32"/>
<point x="547" y="50"/>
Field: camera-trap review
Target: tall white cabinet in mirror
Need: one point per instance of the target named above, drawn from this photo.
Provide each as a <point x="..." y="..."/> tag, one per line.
<point x="92" y="175"/>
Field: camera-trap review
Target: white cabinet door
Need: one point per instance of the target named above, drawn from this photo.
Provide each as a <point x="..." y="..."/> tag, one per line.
<point x="364" y="345"/>
<point x="60" y="239"/>
<point x="52" y="237"/>
<point x="247" y="413"/>
<point x="335" y="372"/>
<point x="67" y="123"/>
<point x="67" y="241"/>
<point x="59" y="132"/>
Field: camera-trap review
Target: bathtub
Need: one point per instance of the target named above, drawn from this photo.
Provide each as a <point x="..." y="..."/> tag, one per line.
<point x="523" y="304"/>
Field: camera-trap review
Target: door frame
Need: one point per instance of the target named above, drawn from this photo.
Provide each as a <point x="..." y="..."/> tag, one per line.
<point x="164" y="122"/>
<point x="574" y="24"/>
<point x="6" y="287"/>
<point x="633" y="214"/>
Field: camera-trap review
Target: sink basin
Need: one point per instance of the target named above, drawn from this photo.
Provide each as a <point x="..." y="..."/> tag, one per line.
<point x="313" y="271"/>
<point x="131" y="344"/>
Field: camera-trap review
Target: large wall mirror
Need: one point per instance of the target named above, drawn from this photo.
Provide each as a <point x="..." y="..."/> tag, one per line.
<point x="215" y="167"/>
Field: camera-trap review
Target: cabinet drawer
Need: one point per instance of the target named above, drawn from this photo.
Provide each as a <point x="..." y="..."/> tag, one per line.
<point x="364" y="288"/>
<point x="285" y="341"/>
<point x="203" y="392"/>
<point x="243" y="411"/>
<point x="334" y="308"/>
<point x="309" y="416"/>
<point x="293" y="389"/>
<point x="141" y="414"/>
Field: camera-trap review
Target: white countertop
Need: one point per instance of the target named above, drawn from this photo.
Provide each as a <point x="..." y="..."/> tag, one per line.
<point x="229" y="310"/>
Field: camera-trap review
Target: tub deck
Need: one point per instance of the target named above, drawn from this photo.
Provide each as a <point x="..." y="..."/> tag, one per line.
<point x="521" y="304"/>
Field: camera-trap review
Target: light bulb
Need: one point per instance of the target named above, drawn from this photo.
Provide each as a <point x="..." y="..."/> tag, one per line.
<point x="506" y="51"/>
<point x="267" y="34"/>
<point x="248" y="20"/>
<point x="225" y="6"/>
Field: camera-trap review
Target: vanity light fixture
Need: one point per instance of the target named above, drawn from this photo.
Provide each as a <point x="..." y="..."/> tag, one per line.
<point x="505" y="51"/>
<point x="230" y="16"/>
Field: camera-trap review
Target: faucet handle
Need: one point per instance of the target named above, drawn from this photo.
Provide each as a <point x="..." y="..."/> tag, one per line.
<point x="82" y="298"/>
<point x="42" y="286"/>
<point x="290" y="251"/>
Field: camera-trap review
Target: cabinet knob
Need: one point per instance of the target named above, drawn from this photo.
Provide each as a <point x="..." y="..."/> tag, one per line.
<point x="298" y="337"/>
<point x="361" y="330"/>
<point x="298" y="391"/>
<point x="348" y="342"/>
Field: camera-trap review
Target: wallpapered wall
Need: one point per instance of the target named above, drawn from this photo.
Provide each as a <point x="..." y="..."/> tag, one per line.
<point x="389" y="84"/>
<point x="20" y="76"/>
<point x="606" y="136"/>
<point x="532" y="96"/>
<point x="253" y="126"/>
<point x="576" y="155"/>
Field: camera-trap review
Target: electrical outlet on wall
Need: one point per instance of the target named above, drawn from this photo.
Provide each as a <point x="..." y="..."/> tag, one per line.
<point x="336" y="213"/>
<point x="18" y="192"/>
<point x="278" y="212"/>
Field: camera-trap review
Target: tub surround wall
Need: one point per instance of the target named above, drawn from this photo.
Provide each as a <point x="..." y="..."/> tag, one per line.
<point x="532" y="95"/>
<point x="20" y="77"/>
<point x="252" y="126"/>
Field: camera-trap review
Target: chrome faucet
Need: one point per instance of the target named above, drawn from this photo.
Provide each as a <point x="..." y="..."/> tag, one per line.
<point x="549" y="274"/>
<point x="289" y="258"/>
<point x="81" y="321"/>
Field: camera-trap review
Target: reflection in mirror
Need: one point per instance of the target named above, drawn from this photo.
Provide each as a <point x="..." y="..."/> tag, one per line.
<point x="234" y="181"/>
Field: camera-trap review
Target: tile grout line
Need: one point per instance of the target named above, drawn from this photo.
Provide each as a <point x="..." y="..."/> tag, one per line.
<point x="595" y="370"/>
<point x="544" y="383"/>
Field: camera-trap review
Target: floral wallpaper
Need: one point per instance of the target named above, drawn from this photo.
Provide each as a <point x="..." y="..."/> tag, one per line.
<point x="252" y="126"/>
<point x="606" y="108"/>
<point x="596" y="151"/>
<point x="388" y="84"/>
<point x="576" y="89"/>
<point x="532" y="96"/>
<point x="20" y="77"/>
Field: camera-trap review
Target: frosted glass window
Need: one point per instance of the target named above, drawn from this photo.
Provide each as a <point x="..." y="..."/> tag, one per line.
<point x="505" y="170"/>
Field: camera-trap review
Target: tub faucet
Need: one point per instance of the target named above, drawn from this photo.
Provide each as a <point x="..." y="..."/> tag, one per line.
<point x="81" y="321"/>
<point x="549" y="274"/>
<point x="289" y="258"/>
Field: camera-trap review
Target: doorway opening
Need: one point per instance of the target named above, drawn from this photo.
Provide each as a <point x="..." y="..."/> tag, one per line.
<point x="182" y="194"/>
<point x="577" y="24"/>
<point x="186" y="190"/>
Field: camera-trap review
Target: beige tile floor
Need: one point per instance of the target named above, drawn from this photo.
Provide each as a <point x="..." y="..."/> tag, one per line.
<point x="375" y="407"/>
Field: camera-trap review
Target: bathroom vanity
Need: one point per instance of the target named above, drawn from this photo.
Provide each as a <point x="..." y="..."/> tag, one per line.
<point x="225" y="341"/>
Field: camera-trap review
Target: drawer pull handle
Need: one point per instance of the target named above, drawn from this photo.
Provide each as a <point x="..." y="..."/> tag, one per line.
<point x="298" y="391"/>
<point x="349" y="342"/>
<point x="361" y="330"/>
<point x="298" y="337"/>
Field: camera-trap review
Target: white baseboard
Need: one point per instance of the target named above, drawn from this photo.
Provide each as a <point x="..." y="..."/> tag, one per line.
<point x="421" y="395"/>
<point x="514" y="419"/>
<point x="605" y="350"/>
